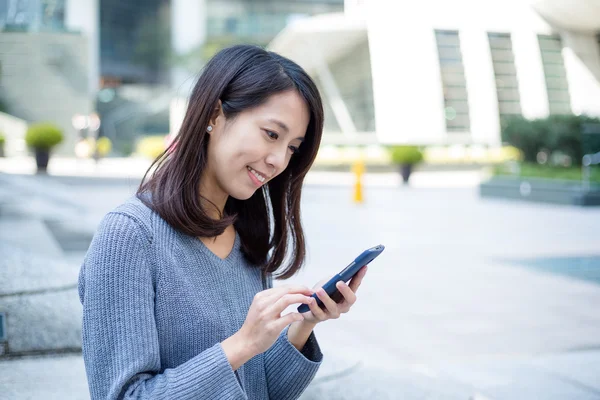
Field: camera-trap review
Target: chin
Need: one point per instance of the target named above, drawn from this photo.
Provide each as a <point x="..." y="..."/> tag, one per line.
<point x="242" y="194"/>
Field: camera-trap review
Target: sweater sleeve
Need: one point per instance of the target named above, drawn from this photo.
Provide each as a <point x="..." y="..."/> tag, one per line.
<point x="289" y="371"/>
<point x="120" y="340"/>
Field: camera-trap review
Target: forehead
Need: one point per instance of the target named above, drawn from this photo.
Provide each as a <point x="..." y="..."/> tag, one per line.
<point x="289" y="108"/>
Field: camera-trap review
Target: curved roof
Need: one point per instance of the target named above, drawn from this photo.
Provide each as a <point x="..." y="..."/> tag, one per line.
<point x="322" y="38"/>
<point x="577" y="15"/>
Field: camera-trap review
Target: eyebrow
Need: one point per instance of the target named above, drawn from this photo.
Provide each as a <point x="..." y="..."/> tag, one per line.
<point x="284" y="127"/>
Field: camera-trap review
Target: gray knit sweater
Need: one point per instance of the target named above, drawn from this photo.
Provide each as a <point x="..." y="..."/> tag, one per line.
<point x="156" y="305"/>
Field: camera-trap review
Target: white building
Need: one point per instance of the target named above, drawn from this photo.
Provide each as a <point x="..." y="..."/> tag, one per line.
<point x="445" y="72"/>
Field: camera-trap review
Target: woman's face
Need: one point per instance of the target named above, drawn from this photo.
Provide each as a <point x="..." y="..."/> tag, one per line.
<point x="247" y="152"/>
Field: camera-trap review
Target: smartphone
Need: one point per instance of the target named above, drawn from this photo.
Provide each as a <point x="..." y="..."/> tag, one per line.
<point x="345" y="275"/>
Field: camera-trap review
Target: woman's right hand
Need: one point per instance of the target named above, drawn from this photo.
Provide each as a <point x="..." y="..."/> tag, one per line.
<point x="264" y="322"/>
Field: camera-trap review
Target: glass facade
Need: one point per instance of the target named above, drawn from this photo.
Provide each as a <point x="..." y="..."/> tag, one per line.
<point x="505" y="74"/>
<point x="454" y="84"/>
<point x="254" y="24"/>
<point x="32" y="15"/>
<point x="259" y="21"/>
<point x="134" y="40"/>
<point x="557" y="86"/>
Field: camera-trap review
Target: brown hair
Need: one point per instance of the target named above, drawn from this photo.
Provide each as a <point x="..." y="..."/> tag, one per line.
<point x="242" y="77"/>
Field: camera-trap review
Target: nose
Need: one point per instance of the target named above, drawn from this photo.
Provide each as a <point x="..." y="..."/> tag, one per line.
<point x="277" y="159"/>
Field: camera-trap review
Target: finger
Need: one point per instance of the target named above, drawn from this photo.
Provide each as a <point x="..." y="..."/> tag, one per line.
<point x="286" y="320"/>
<point x="349" y="296"/>
<point x="317" y="311"/>
<point x="286" y="301"/>
<point x="286" y="289"/>
<point x="330" y="305"/>
<point x="357" y="279"/>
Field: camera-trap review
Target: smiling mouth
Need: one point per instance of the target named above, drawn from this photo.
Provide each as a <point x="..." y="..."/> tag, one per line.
<point x="261" y="178"/>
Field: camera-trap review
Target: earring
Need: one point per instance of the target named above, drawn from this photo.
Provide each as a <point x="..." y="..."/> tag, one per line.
<point x="209" y="129"/>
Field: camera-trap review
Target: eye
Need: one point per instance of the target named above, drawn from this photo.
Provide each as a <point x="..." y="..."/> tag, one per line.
<point x="294" y="150"/>
<point x="272" y="135"/>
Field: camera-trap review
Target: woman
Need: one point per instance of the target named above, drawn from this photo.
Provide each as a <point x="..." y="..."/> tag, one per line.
<point x="176" y="287"/>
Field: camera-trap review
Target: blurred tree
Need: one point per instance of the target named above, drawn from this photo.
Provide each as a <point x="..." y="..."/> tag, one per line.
<point x="554" y="134"/>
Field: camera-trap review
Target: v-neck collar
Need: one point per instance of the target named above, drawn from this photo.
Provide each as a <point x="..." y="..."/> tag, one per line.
<point x="227" y="260"/>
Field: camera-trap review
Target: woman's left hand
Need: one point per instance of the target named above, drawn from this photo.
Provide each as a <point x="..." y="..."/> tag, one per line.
<point x="333" y="310"/>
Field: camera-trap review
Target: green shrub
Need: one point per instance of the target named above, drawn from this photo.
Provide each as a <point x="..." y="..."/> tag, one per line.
<point x="565" y="136"/>
<point x="103" y="146"/>
<point x="560" y="134"/>
<point x="2" y="139"/>
<point x="43" y="136"/>
<point x="405" y="154"/>
<point x="526" y="135"/>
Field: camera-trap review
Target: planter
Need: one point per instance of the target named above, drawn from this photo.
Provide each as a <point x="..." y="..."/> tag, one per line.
<point x="405" y="171"/>
<point x="42" y="156"/>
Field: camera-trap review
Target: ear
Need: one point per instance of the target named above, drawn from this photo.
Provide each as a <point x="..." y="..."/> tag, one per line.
<point x="216" y="116"/>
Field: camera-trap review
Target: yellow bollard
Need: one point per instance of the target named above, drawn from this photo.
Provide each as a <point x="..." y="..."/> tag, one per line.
<point x="358" y="168"/>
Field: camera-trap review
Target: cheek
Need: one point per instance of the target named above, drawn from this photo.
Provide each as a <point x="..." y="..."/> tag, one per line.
<point x="248" y="152"/>
<point x="234" y="151"/>
<point x="230" y="162"/>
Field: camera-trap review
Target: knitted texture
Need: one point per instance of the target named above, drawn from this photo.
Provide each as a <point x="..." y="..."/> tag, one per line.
<point x="157" y="304"/>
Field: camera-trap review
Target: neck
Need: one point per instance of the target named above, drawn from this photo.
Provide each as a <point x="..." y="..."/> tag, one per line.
<point x="212" y="198"/>
<point x="213" y="208"/>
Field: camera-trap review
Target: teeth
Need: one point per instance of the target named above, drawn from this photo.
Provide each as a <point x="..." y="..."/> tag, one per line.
<point x="257" y="175"/>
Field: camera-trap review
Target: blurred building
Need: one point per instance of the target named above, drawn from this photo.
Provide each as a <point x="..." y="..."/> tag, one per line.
<point x="134" y="41"/>
<point x="47" y="64"/>
<point x="203" y="27"/>
<point x="125" y="59"/>
<point x="200" y="28"/>
<point x="447" y="72"/>
<point x="152" y="52"/>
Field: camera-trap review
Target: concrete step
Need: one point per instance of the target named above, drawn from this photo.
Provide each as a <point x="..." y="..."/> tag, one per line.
<point x="24" y="271"/>
<point x="39" y="299"/>
<point x="31" y="234"/>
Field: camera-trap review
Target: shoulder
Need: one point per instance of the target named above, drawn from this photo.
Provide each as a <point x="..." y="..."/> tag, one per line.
<point x="132" y="214"/>
<point x="120" y="250"/>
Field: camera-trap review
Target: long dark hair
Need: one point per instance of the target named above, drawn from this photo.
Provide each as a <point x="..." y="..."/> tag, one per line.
<point x="242" y="77"/>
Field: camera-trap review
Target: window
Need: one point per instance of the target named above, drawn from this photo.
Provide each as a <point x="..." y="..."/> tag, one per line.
<point x="505" y="74"/>
<point x="559" y="100"/>
<point x="44" y="15"/>
<point x="53" y="14"/>
<point x="456" y="101"/>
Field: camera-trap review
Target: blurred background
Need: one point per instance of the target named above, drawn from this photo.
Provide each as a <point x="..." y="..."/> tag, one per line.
<point x="463" y="135"/>
<point x="461" y="88"/>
